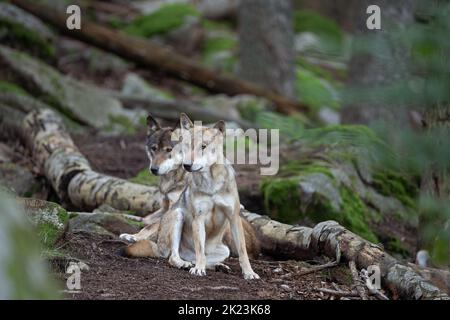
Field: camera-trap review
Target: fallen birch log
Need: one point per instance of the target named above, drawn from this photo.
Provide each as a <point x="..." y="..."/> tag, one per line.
<point x="333" y="240"/>
<point x="148" y="54"/>
<point x="70" y="173"/>
<point x="71" y="176"/>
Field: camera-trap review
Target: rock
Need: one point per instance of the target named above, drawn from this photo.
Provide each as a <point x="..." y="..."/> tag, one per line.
<point x="23" y="273"/>
<point x="109" y="224"/>
<point x="49" y="218"/>
<point x="134" y="85"/>
<point x="18" y="179"/>
<point x="329" y="116"/>
<point x="16" y="103"/>
<point x="222" y="104"/>
<point x="22" y="30"/>
<point x="86" y="104"/>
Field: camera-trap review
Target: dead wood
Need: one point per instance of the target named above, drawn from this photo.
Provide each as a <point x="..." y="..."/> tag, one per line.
<point x="70" y="173"/>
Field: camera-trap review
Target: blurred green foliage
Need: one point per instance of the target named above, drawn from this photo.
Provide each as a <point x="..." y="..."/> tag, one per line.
<point x="417" y="80"/>
<point x="165" y="19"/>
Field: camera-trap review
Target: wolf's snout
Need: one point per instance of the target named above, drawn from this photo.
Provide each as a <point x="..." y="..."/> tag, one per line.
<point x="154" y="170"/>
<point x="187" y="166"/>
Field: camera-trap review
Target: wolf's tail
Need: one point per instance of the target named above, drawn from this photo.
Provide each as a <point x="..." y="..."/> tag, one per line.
<point x="139" y="249"/>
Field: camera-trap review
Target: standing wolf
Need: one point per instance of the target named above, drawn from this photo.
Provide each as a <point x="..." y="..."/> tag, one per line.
<point x="169" y="235"/>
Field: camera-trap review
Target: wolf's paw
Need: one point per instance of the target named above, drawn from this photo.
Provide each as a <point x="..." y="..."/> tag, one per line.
<point x="128" y="237"/>
<point x="250" y="275"/>
<point x="179" y="263"/>
<point x="222" y="267"/>
<point x="198" y="271"/>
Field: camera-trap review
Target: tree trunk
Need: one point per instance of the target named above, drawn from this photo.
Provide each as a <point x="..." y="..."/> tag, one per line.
<point x="70" y="173"/>
<point x="385" y="62"/>
<point x="266" y="40"/>
<point x="147" y="54"/>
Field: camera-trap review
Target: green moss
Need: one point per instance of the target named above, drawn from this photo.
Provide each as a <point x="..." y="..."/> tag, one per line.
<point x="167" y="18"/>
<point x="146" y="178"/>
<point x="281" y="198"/>
<point x="123" y="122"/>
<point x="212" y="25"/>
<point x="135" y="223"/>
<point x="11" y="87"/>
<point x="327" y="29"/>
<point x="216" y="45"/>
<point x="392" y="184"/>
<point x="48" y="232"/>
<point x="314" y="91"/>
<point x="15" y="33"/>
<point x="304" y="167"/>
<point x="396" y="246"/>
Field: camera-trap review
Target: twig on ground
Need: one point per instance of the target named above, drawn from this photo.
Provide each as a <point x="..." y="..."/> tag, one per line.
<point x="372" y="290"/>
<point x="357" y="280"/>
<point x="337" y="293"/>
<point x="318" y="268"/>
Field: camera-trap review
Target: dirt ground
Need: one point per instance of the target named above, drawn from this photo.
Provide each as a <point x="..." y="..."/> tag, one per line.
<point x="111" y="276"/>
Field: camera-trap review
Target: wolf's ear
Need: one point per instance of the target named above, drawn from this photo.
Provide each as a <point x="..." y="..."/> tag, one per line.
<point x="220" y="125"/>
<point x="185" y="122"/>
<point x="152" y="124"/>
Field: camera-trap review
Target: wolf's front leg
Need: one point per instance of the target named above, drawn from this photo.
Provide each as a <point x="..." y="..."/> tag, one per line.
<point x="199" y="237"/>
<point x="237" y="233"/>
<point x="146" y="233"/>
<point x="175" y="239"/>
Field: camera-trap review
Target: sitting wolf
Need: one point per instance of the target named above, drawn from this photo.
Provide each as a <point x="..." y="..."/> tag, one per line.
<point x="161" y="237"/>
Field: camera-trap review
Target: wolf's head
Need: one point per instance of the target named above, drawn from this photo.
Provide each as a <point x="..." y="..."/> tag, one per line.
<point x="202" y="146"/>
<point x="163" y="147"/>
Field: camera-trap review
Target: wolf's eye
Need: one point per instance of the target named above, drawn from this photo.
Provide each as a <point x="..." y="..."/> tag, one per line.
<point x="154" y="147"/>
<point x="203" y="146"/>
<point x="168" y="149"/>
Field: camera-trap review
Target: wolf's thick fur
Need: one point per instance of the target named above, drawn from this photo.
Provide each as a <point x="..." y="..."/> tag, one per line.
<point x="162" y="237"/>
<point x="165" y="161"/>
<point x="210" y="200"/>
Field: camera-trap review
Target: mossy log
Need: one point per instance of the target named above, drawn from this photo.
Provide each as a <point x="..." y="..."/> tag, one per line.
<point x="333" y="240"/>
<point x="71" y="175"/>
<point x="147" y="54"/>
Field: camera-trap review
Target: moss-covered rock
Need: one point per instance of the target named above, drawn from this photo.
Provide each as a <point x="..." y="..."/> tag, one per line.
<point x="49" y="218"/>
<point x="107" y="224"/>
<point x="135" y="85"/>
<point x="165" y="19"/>
<point x="6" y="86"/>
<point x="85" y="104"/>
<point x="24" y="31"/>
<point x="330" y="35"/>
<point x="335" y="179"/>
